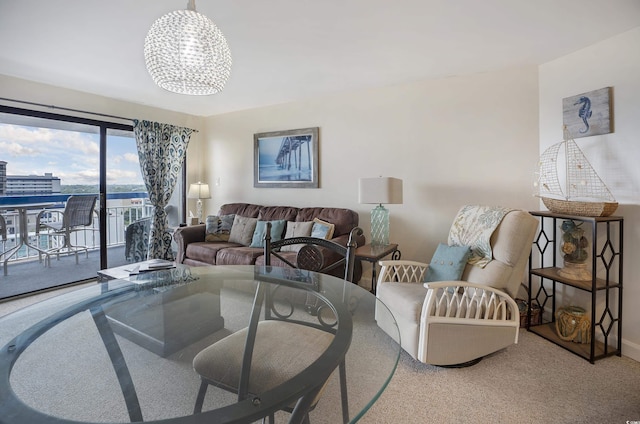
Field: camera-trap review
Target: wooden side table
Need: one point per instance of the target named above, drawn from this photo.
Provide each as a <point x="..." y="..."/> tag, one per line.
<point x="373" y="254"/>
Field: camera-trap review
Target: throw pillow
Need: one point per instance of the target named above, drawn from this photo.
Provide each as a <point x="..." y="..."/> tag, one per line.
<point x="297" y="229"/>
<point x="218" y="228"/>
<point x="322" y="229"/>
<point x="447" y="263"/>
<point x="277" y="228"/>
<point x="242" y="230"/>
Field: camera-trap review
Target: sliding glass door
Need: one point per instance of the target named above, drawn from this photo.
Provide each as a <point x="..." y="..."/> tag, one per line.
<point x="44" y="159"/>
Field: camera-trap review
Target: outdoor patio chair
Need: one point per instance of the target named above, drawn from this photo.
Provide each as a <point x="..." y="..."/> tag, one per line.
<point x="77" y="215"/>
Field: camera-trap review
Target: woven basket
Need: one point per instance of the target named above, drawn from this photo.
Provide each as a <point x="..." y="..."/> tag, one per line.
<point x="568" y="207"/>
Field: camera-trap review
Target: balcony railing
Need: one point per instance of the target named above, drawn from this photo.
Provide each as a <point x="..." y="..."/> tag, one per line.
<point x="122" y="209"/>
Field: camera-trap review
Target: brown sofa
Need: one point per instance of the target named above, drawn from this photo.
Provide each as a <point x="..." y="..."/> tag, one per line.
<point x="193" y="250"/>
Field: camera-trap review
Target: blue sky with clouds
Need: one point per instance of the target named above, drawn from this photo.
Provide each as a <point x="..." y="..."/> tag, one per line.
<point x="70" y="155"/>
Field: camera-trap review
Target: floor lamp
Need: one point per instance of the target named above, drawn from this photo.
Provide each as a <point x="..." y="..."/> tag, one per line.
<point x="199" y="191"/>
<point x="380" y="191"/>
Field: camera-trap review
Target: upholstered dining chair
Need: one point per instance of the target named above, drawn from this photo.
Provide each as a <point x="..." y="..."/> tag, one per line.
<point x="457" y="323"/>
<point x="309" y="340"/>
<point x="77" y="214"/>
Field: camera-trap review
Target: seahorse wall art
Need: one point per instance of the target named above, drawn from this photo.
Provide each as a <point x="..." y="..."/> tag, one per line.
<point x="588" y="114"/>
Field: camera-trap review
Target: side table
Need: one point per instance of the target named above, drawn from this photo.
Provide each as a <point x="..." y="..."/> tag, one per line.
<point x="373" y="253"/>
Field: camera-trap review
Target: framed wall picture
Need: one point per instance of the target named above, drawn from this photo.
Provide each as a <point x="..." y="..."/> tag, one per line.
<point x="286" y="159"/>
<point x="588" y="114"/>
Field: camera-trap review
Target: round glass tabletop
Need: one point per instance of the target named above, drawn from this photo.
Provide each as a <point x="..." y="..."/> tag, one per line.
<point x="124" y="350"/>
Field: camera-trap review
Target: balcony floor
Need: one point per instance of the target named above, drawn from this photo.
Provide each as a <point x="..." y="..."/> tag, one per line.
<point x="26" y="277"/>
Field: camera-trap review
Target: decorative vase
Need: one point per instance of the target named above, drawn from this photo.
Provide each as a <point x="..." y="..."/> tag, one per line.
<point x="574" y="248"/>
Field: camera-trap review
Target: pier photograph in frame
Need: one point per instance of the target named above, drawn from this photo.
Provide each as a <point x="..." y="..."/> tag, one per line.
<point x="286" y="159"/>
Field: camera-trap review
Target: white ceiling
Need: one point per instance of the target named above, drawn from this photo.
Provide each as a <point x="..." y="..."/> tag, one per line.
<point x="287" y="50"/>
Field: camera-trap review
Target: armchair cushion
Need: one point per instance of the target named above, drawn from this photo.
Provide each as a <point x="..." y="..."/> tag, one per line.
<point x="403" y="299"/>
<point x="447" y="263"/>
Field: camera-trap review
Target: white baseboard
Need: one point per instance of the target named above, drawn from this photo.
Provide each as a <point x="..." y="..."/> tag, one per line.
<point x="631" y="350"/>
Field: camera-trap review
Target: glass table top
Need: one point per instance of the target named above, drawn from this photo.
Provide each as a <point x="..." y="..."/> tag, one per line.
<point x="123" y="350"/>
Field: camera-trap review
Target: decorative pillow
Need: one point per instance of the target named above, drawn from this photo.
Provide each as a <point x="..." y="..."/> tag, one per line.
<point x="447" y="263"/>
<point x="218" y="227"/>
<point x="322" y="229"/>
<point x="297" y="229"/>
<point x="277" y="228"/>
<point x="242" y="230"/>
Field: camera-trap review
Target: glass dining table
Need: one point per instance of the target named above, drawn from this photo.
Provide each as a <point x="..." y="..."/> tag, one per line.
<point x="122" y="350"/>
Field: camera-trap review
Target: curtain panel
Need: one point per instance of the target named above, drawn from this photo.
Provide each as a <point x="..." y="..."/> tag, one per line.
<point x="162" y="149"/>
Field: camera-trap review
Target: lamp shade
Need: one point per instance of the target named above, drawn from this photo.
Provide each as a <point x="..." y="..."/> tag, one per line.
<point x="199" y="191"/>
<point x="382" y="190"/>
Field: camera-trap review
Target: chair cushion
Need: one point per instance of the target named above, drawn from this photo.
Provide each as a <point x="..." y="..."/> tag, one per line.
<point x="282" y="350"/>
<point x="403" y="299"/>
<point x="447" y="263"/>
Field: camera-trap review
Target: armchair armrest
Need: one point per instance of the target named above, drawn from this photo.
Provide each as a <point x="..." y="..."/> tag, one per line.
<point x="458" y="301"/>
<point x="402" y="271"/>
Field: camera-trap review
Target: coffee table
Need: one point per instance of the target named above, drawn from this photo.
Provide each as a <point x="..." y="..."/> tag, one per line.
<point x="60" y="358"/>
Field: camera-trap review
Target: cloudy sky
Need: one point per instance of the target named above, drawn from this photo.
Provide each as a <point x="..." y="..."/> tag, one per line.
<point x="70" y="155"/>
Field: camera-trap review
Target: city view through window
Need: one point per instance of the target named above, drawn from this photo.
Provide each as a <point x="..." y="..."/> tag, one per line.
<point x="43" y="162"/>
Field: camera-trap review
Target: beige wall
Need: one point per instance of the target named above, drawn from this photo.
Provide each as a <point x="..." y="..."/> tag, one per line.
<point x="453" y="141"/>
<point x="612" y="63"/>
<point x="468" y="139"/>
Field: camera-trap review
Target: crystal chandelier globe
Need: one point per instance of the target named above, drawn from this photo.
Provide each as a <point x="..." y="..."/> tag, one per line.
<point x="186" y="53"/>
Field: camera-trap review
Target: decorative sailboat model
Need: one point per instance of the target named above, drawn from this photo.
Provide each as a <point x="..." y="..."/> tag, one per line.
<point x="584" y="193"/>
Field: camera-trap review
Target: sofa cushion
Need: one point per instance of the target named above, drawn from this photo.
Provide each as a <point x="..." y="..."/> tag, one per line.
<point x="322" y="229"/>
<point x="243" y="209"/>
<point x="241" y="255"/>
<point x="218" y="227"/>
<point x="297" y="229"/>
<point x="344" y="219"/>
<point x="206" y="251"/>
<point x="277" y="229"/>
<point x="270" y="213"/>
<point x="242" y="230"/>
<point x="275" y="261"/>
<point x="447" y="263"/>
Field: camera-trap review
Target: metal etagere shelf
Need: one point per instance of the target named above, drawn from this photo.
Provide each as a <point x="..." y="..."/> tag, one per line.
<point x="605" y="285"/>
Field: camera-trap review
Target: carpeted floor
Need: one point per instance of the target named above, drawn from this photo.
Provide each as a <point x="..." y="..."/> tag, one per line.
<point x="531" y="382"/>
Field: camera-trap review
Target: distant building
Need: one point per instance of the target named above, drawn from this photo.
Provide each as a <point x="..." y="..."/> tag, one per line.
<point x="25" y="185"/>
<point x="3" y="178"/>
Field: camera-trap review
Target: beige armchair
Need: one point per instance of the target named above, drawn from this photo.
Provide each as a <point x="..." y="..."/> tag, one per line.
<point x="456" y="323"/>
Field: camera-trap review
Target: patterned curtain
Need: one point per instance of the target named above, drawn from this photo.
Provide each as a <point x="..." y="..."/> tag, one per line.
<point x="161" y="150"/>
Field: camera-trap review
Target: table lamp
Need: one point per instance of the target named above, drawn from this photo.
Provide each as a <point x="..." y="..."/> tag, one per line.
<point x="199" y="191"/>
<point x="380" y="191"/>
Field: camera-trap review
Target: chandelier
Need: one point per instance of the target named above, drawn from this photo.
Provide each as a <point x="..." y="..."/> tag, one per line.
<point x="186" y="53"/>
